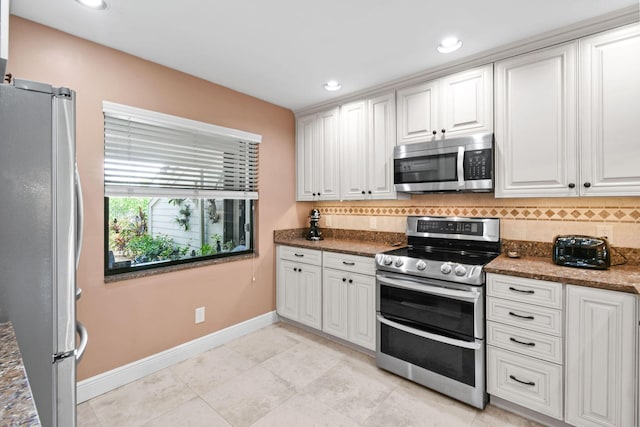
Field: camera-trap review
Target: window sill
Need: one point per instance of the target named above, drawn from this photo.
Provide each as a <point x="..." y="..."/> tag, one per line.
<point x="178" y="267"/>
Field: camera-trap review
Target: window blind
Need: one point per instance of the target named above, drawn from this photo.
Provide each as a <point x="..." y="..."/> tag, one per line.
<point x="153" y="154"/>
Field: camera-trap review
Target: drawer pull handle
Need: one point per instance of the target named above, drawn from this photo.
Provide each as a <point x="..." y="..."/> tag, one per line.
<point x="511" y="313"/>
<point x="348" y="263"/>
<point x="511" y="288"/>
<point x="531" y="383"/>
<point x="299" y="255"/>
<point x="530" y="344"/>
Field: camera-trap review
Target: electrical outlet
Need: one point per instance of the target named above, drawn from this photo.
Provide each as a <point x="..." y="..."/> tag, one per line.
<point x="327" y="220"/>
<point x="373" y="223"/>
<point x="199" y="314"/>
<point x="605" y="231"/>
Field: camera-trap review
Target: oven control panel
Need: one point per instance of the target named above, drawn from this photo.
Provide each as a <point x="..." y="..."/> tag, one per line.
<point x="449" y="271"/>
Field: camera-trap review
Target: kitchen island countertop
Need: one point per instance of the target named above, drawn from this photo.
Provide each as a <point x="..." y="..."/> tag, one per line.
<point x="17" y="407"/>
<point x="623" y="278"/>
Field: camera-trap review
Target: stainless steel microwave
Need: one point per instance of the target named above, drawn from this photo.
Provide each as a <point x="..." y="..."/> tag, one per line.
<point x="456" y="164"/>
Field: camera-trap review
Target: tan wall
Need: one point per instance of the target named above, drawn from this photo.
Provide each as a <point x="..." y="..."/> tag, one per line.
<point x="538" y="219"/>
<point x="133" y="319"/>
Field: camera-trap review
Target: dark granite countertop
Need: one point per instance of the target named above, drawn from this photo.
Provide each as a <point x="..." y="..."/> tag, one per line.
<point x="535" y="263"/>
<point x="623" y="278"/>
<point x="363" y="243"/>
<point x="16" y="401"/>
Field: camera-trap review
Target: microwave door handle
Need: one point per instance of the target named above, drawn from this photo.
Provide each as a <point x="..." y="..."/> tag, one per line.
<point x="461" y="166"/>
<point x="434" y="337"/>
<point x="433" y="290"/>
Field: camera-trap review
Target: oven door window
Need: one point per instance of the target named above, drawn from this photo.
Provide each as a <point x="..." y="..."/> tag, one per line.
<point x="434" y="168"/>
<point x="430" y="312"/>
<point x="448" y="360"/>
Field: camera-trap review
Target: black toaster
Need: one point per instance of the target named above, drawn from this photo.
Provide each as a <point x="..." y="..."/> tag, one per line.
<point x="582" y="251"/>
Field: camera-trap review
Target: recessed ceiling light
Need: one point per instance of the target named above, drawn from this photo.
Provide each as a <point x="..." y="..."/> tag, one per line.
<point x="93" y="4"/>
<point x="332" y="85"/>
<point x="449" y="45"/>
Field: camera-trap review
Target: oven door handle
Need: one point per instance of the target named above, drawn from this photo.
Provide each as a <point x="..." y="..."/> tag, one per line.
<point x="434" y="290"/>
<point x="434" y="337"/>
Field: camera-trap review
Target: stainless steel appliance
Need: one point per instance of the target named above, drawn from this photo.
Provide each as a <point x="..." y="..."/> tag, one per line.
<point x="430" y="303"/>
<point x="582" y="252"/>
<point x="40" y="236"/>
<point x="456" y="164"/>
<point x="314" y="232"/>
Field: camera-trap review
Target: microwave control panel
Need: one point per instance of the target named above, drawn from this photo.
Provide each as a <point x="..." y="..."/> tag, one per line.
<point x="478" y="164"/>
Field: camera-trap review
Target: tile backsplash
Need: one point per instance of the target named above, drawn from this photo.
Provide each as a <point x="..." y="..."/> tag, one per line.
<point x="538" y="219"/>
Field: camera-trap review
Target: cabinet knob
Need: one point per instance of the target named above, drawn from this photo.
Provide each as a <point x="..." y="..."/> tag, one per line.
<point x="344" y="279"/>
<point x="318" y="194"/>
<point x="314" y="194"/>
<point x="299" y="270"/>
<point x="572" y="185"/>
<point x="443" y="131"/>
<point x="435" y="132"/>
<point x="295" y="269"/>
<point x="587" y="184"/>
<point x="350" y="280"/>
<point x="369" y="191"/>
<point x="362" y="191"/>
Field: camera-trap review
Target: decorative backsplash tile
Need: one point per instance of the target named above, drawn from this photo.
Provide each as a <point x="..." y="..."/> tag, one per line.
<point x="624" y="214"/>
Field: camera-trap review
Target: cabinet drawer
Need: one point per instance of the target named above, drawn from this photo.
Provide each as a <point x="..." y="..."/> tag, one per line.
<point x="526" y="381"/>
<point x="351" y="263"/>
<point x="532" y="291"/>
<point x="528" y="316"/>
<point x="307" y="256"/>
<point x="523" y="341"/>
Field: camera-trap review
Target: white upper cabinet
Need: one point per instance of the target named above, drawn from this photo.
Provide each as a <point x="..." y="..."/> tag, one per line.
<point x="317" y="156"/>
<point x="367" y="140"/>
<point x="536" y="120"/>
<point x="609" y="112"/>
<point x="550" y="142"/>
<point x="467" y="102"/>
<point x="459" y="104"/>
<point x="353" y="124"/>
<point x="417" y="112"/>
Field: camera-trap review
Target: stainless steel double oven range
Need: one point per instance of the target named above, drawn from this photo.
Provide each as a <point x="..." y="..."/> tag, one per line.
<point x="430" y="305"/>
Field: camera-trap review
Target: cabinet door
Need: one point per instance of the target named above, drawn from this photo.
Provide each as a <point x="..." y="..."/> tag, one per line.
<point x="382" y="139"/>
<point x="417" y="112"/>
<point x="467" y="102"/>
<point x="310" y="295"/>
<point x="287" y="290"/>
<point x="361" y="317"/>
<point x="306" y="141"/>
<point x="326" y="157"/>
<point x="609" y="111"/>
<point x="353" y="148"/>
<point x="536" y="119"/>
<point x="601" y="364"/>
<point x="334" y="302"/>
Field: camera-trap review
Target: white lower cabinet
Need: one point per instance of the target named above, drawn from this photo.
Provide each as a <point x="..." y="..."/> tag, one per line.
<point x="596" y="382"/>
<point x="328" y="291"/>
<point x="602" y="364"/>
<point x="526" y="381"/>
<point x="349" y="298"/>
<point x="524" y="343"/>
<point x="299" y="285"/>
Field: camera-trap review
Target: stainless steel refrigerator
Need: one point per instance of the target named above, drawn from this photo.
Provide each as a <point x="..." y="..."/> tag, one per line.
<point x="40" y="235"/>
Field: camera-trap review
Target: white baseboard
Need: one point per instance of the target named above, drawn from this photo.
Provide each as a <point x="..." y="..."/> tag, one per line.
<point x="107" y="381"/>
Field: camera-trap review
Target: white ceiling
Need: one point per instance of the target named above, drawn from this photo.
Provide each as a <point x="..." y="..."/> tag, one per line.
<point x="282" y="51"/>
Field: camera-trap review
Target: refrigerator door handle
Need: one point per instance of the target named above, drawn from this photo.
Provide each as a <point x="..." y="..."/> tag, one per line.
<point x="80" y="216"/>
<point x="84" y="339"/>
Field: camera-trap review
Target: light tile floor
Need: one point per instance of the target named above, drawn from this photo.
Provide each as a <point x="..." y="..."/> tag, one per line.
<point x="282" y="376"/>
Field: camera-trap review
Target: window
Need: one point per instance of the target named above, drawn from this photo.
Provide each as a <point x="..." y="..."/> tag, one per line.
<point x="176" y="190"/>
